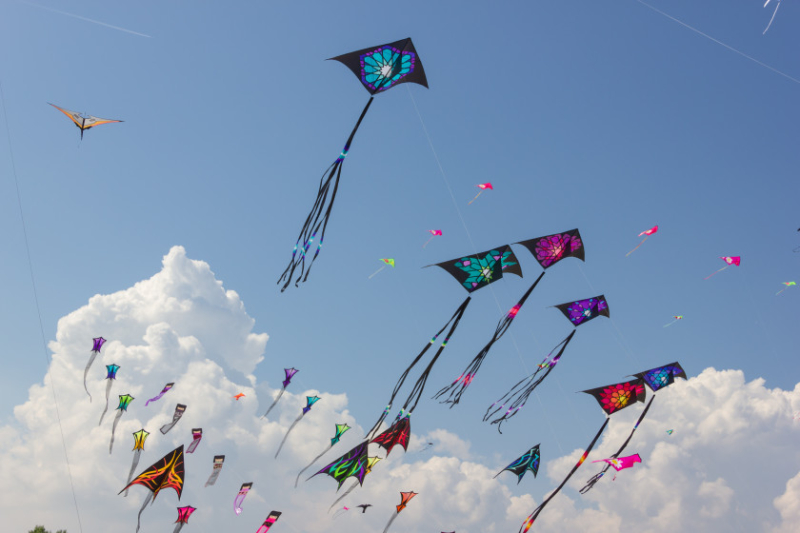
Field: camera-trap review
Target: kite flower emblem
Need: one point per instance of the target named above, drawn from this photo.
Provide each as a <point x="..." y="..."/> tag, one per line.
<point x="615" y="397"/>
<point x="550" y="249"/>
<point x="383" y="67"/>
<point x="580" y="311"/>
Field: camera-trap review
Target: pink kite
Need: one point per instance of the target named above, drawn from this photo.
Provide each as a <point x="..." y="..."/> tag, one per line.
<point x="621" y="463"/>
<point x="434" y="233"/>
<point x="646" y="233"/>
<point x="728" y="262"/>
<point x="482" y="187"/>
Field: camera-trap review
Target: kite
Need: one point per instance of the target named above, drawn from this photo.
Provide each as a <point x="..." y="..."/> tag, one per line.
<point x="111" y="377"/>
<point x="340" y="429"/>
<point x="179" y="409"/>
<point x="166" y="388"/>
<point x="218" y="460"/>
<point x="379" y="68"/>
<point x="669" y="431"/>
<point x="551" y="249"/>
<point x="84" y="122"/>
<point x="482" y="187"/>
<point x="138" y="447"/>
<point x="426" y="447"/>
<point x="404" y="498"/>
<point x="237" y="502"/>
<point x="621" y="463"/>
<point x="646" y="234"/>
<point x="457" y="388"/>
<point x="434" y="233"/>
<point x="240" y="395"/>
<point x="676" y="318"/>
<point x="197" y="434"/>
<point x="310" y="400"/>
<point x="773" y="15"/>
<point x="289" y="373"/>
<point x="582" y="311"/>
<point x="388" y="261"/>
<point x="655" y="379"/>
<point x="728" y="262"/>
<point x="528" y="461"/>
<point x="364" y="507"/>
<point x="398" y="433"/>
<point x="612" y="398"/>
<point x="96" y="346"/>
<point x="269" y="522"/>
<point x="351" y="464"/>
<point x="167" y="473"/>
<point x="340" y="512"/>
<point x="183" y="517"/>
<point x="519" y="393"/>
<point x="788" y="284"/>
<point x="124" y="401"/>
<point x="371" y="461"/>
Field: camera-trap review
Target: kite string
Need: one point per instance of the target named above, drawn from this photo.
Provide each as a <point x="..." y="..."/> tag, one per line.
<point x="47" y="358"/>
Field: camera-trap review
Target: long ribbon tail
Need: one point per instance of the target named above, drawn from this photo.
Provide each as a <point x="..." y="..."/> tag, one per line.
<point x="108" y="390"/>
<point x="381" y="268"/>
<point x="193" y="445"/>
<point x="426" y="242"/>
<point x="476" y="197"/>
<point x="346" y="493"/>
<point x="773" y="17"/>
<point x="637" y="247"/>
<point x="310" y="465"/>
<point x="526" y="525"/>
<point x="519" y="393"/>
<point x="134" y="464"/>
<point x="668" y="325"/>
<point x="715" y="273"/>
<point x="457" y="388"/>
<point x="317" y="219"/>
<point x="114" y="429"/>
<point x="213" y="477"/>
<point x="177" y="527"/>
<point x="594" y="479"/>
<point x="389" y="524"/>
<point x="296" y="420"/>
<point x="86" y="371"/>
<point x="275" y="402"/>
<point x="419" y="386"/>
<point x="139" y="516"/>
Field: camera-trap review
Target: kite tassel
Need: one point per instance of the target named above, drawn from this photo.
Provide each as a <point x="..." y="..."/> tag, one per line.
<point x="296" y="420"/>
<point x="717" y="272"/>
<point x="426" y="242"/>
<point x="278" y="397"/>
<point x="297" y="480"/>
<point x="773" y="16"/>
<point x="86" y="371"/>
<point x="637" y="247"/>
<point x="136" y="455"/>
<point x="344" y="495"/>
<point x="381" y="268"/>
<point x="139" y="516"/>
<point x="108" y="390"/>
<point x="114" y="429"/>
<point x="476" y="197"/>
<point x="389" y="524"/>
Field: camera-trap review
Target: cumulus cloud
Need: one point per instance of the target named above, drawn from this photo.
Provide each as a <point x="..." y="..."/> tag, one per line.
<point x="730" y="465"/>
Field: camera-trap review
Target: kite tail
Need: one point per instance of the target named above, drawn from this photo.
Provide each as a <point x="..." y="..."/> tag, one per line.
<point x="278" y="397"/>
<point x="637" y="247"/>
<point x="526" y="525"/>
<point x="319" y="215"/>
<point x="426" y="242"/>
<point x="213" y="477"/>
<point x="134" y="464"/>
<point x="457" y="388"/>
<point x="419" y="386"/>
<point x="310" y="465"/>
<point x="476" y="197"/>
<point x="395" y="515"/>
<point x="381" y="268"/>
<point x="114" y="429"/>
<point x="773" y="16"/>
<point x="86" y="371"/>
<point x="193" y="445"/>
<point x="717" y="272"/>
<point x="594" y="479"/>
<point x="296" y="420"/>
<point x="343" y="496"/>
<point x="139" y="516"/>
<point x="108" y="390"/>
<point x="177" y="527"/>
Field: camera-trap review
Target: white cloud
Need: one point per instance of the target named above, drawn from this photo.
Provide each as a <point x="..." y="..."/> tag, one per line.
<point x="730" y="465"/>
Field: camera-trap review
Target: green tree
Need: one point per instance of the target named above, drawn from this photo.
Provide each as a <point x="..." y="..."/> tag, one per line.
<point x="41" y="529"/>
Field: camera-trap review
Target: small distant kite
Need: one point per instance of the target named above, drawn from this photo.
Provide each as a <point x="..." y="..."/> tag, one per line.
<point x="289" y="373"/>
<point x="676" y="318"/>
<point x="179" y="409"/>
<point x="482" y="187"/>
<point x="788" y="284"/>
<point x="773" y="15"/>
<point x="669" y="431"/>
<point x="364" y="507"/>
<point x="237" y="502"/>
<point x="183" y="517"/>
<point x="111" y="377"/>
<point x="218" y="461"/>
<point x="166" y="389"/>
<point x="434" y="233"/>
<point x="728" y="262"/>
<point x="621" y="463"/>
<point x="528" y="461"/>
<point x="240" y="395"/>
<point x="388" y="261"/>
<point x="84" y="122"/>
<point x="97" y="344"/>
<point x="310" y="400"/>
<point x="269" y="522"/>
<point x="197" y="434"/>
<point x="340" y="512"/>
<point x="404" y="498"/>
<point x="646" y="234"/>
<point x="167" y="473"/>
<point x="124" y="401"/>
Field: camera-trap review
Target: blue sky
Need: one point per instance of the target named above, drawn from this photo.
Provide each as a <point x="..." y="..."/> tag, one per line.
<point x="604" y="116"/>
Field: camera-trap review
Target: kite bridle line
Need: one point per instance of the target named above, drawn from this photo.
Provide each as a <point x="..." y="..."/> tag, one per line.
<point x="47" y="357"/>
